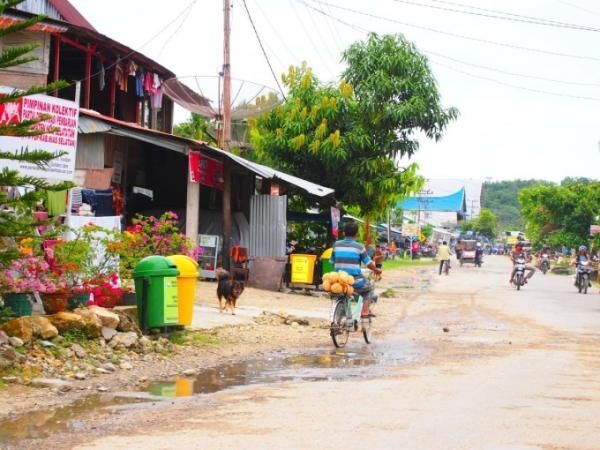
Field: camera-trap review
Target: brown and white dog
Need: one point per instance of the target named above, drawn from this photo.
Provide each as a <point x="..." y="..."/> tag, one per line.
<point x="228" y="290"/>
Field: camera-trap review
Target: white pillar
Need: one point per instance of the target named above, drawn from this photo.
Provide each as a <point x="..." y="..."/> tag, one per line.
<point x="192" y="211"/>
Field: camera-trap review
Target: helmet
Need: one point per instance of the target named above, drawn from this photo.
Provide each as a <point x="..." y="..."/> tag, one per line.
<point x="519" y="244"/>
<point x="479" y="244"/>
<point x="583" y="248"/>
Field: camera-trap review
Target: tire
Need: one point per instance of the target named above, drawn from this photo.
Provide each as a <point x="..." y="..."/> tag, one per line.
<point x="338" y="331"/>
<point x="585" y="285"/>
<point x="519" y="282"/>
<point x="579" y="284"/>
<point x="366" y="329"/>
<point x="446" y="268"/>
<point x="461" y="262"/>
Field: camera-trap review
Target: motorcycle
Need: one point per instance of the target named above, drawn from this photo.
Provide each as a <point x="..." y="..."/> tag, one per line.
<point x="519" y="276"/>
<point x="582" y="280"/>
<point x="545" y="265"/>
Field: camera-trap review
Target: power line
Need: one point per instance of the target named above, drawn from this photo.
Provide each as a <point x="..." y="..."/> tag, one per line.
<point x="310" y="39"/>
<point x="448" y="33"/>
<point x="263" y="48"/>
<point x="516" y="86"/>
<point x="499" y="17"/>
<point x="122" y="58"/>
<point x="507" y="72"/>
<point x="539" y="91"/>
<point x="506" y="13"/>
<point x="314" y="24"/>
<point x="581" y="8"/>
<point x="178" y="29"/>
<point x="279" y="37"/>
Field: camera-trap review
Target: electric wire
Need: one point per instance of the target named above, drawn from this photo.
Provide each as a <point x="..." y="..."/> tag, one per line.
<point x="314" y="24"/>
<point x="499" y="17"/>
<point x="507" y="72"/>
<point x="539" y="91"/>
<point x="448" y="33"/>
<point x="178" y="29"/>
<point x="312" y="42"/>
<point x="581" y="8"/>
<point x="263" y="48"/>
<point x="276" y="32"/>
<point x="151" y="39"/>
<point x="506" y="13"/>
<point x="516" y="86"/>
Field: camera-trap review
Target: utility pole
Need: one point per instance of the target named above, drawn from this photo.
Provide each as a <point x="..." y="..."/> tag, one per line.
<point x="226" y="131"/>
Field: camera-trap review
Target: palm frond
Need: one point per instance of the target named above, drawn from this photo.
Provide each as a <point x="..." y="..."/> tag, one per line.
<point x="20" y="26"/>
<point x="17" y="94"/>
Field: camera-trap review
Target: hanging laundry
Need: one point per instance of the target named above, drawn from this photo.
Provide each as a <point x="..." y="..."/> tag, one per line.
<point x="139" y="83"/>
<point x="131" y="68"/>
<point x="149" y="83"/>
<point x="156" y="99"/>
<point x="156" y="82"/>
<point x="120" y="77"/>
<point x="56" y="202"/>
<point x="118" y="203"/>
<point x="76" y="199"/>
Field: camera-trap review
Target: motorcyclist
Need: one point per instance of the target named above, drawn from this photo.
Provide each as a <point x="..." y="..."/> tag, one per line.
<point x="478" y="253"/>
<point x="516" y="254"/>
<point x="581" y="257"/>
<point x="443" y="255"/>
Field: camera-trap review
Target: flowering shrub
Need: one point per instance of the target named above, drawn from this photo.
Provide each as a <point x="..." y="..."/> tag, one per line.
<point x="106" y="290"/>
<point x="29" y="274"/>
<point x="149" y="236"/>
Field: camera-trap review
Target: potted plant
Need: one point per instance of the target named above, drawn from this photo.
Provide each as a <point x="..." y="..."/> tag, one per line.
<point x="21" y="279"/>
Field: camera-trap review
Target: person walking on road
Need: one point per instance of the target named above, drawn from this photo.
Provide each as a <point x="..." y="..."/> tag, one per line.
<point x="443" y="255"/>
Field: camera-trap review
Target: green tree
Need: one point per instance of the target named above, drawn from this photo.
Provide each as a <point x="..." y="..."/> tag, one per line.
<point x="486" y="224"/>
<point x="502" y="198"/>
<point x="16" y="219"/>
<point x="195" y="127"/>
<point x="559" y="214"/>
<point x="351" y="137"/>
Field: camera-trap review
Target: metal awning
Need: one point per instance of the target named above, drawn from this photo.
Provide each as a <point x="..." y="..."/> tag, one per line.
<point x="93" y="122"/>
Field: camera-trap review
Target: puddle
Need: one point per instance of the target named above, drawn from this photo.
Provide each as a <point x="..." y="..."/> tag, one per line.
<point x="43" y="423"/>
<point x="318" y="365"/>
<point x="358" y="361"/>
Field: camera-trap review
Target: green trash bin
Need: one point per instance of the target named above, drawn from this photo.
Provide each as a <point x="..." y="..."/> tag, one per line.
<point x="156" y="292"/>
<point x="326" y="265"/>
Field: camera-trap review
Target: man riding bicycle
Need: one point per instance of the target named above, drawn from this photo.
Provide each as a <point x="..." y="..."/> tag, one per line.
<point x="348" y="254"/>
<point x="519" y="252"/>
<point x="443" y="255"/>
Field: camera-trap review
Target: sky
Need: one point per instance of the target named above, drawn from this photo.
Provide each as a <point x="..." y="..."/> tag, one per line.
<point x="509" y="126"/>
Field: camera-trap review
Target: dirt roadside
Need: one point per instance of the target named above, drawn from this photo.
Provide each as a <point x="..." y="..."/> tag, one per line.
<point x="226" y="344"/>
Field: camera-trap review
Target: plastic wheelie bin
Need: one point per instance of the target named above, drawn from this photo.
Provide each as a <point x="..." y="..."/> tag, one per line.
<point x="156" y="292"/>
<point x="186" y="286"/>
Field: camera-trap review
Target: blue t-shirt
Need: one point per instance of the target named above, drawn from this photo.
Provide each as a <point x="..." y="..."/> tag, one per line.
<point x="347" y="255"/>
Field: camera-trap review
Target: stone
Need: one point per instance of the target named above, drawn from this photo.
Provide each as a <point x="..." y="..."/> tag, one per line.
<point x="66" y="321"/>
<point x="10" y="379"/>
<point x="80" y="376"/>
<point x="126" y="366"/>
<point x="125" y="340"/>
<point x="108" y="333"/>
<point x="127" y="319"/>
<point x="101" y="371"/>
<point x="43" y="328"/>
<point x="53" y="383"/>
<point x="108" y="318"/>
<point x="102" y="389"/>
<point x="78" y="350"/>
<point x="47" y="344"/>
<point x="21" y="327"/>
<point x="109" y="367"/>
<point x="93" y="324"/>
<point x="3" y="338"/>
<point x="15" y="341"/>
<point x="189" y="372"/>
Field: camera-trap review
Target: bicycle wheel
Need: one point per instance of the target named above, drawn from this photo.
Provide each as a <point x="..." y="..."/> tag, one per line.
<point x="366" y="329"/>
<point x="339" y="332"/>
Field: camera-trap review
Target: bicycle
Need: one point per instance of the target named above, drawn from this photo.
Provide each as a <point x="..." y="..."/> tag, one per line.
<point x="345" y="319"/>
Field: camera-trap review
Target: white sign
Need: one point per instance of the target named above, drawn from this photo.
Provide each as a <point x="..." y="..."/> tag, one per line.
<point x="62" y="136"/>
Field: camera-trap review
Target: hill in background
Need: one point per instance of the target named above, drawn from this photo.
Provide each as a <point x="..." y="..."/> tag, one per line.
<point x="502" y="198"/>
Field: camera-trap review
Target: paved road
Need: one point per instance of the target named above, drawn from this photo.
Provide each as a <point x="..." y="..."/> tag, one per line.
<point x="490" y="368"/>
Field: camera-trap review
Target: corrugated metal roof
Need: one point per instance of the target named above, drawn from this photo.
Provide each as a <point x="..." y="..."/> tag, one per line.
<point x="93" y="122"/>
